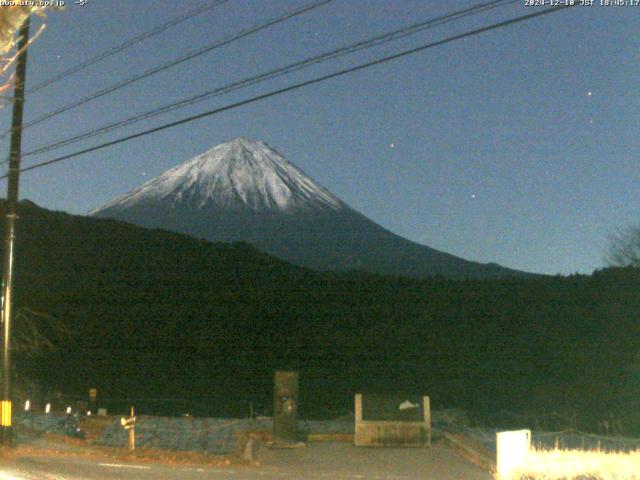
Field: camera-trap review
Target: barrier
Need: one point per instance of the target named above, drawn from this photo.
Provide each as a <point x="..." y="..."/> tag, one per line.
<point x="392" y="420"/>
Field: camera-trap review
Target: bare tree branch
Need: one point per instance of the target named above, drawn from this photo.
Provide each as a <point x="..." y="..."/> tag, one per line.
<point x="11" y="19"/>
<point x="624" y="248"/>
<point x="36" y="332"/>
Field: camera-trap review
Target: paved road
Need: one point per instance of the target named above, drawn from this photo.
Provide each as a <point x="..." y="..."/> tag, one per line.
<point x="335" y="461"/>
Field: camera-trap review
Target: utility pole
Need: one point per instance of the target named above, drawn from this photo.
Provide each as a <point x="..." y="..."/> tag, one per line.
<point x="11" y="208"/>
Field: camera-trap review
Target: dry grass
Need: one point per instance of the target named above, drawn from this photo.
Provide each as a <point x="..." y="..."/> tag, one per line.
<point x="53" y="445"/>
<point x="56" y="445"/>
<point x="580" y="464"/>
<point x="93" y="426"/>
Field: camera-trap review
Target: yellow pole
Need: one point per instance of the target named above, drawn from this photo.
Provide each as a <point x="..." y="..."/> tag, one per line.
<point x="132" y="434"/>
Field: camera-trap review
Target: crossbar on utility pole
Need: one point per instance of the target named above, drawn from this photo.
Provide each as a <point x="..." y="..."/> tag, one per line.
<point x="11" y="208"/>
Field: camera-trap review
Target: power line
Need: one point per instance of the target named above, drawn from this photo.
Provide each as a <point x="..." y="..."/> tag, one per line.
<point x="201" y="51"/>
<point x="351" y="48"/>
<point x="298" y="86"/>
<point x="127" y="44"/>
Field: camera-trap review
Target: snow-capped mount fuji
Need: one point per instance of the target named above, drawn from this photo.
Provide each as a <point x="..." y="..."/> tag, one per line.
<point x="244" y="190"/>
<point x="236" y="175"/>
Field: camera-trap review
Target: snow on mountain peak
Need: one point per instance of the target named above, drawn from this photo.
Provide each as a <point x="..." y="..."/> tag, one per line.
<point x="238" y="174"/>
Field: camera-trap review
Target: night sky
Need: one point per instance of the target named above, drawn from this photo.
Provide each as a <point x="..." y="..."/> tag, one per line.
<point x="517" y="146"/>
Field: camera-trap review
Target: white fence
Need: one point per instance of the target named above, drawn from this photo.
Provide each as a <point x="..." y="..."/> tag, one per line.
<point x="516" y="459"/>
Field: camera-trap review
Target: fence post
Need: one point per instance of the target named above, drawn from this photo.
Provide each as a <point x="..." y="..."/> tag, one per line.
<point x="426" y="405"/>
<point x="512" y="451"/>
<point x="132" y="434"/>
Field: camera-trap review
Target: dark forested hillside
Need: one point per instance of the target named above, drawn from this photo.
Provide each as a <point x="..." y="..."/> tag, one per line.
<point x="161" y="315"/>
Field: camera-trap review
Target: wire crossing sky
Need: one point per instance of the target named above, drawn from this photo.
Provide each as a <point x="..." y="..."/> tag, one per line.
<point x="514" y="146"/>
<point x="379" y="39"/>
<point x="290" y="88"/>
<point x="160" y="68"/>
<point x="127" y="44"/>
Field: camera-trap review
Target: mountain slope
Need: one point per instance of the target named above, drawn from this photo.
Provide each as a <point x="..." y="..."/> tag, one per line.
<point x="246" y="191"/>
